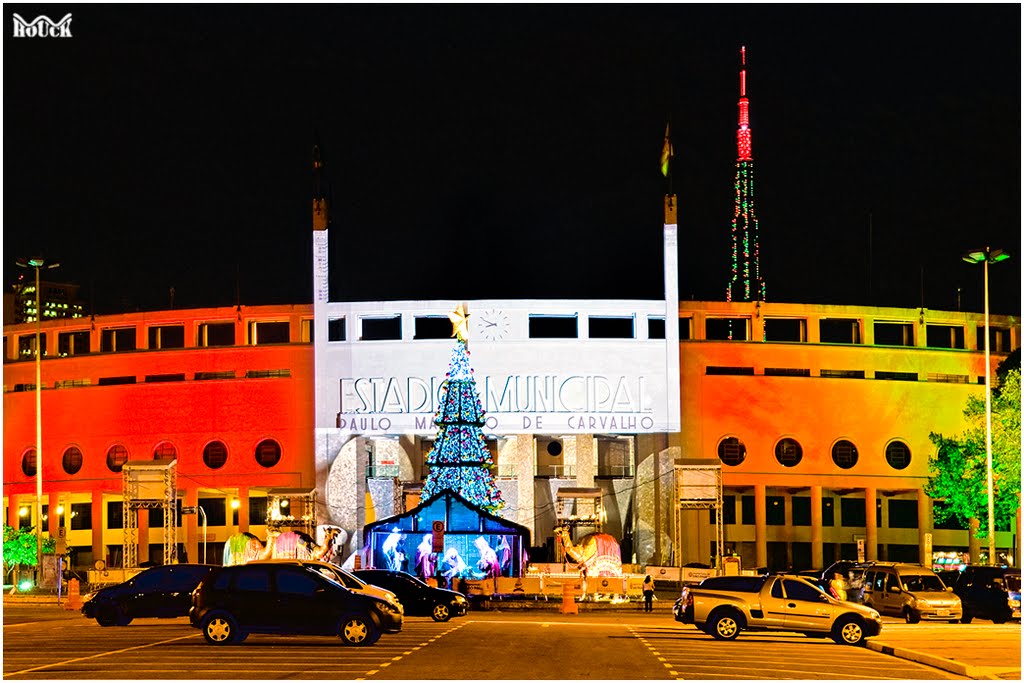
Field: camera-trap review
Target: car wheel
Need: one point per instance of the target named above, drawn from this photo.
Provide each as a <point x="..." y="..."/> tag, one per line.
<point x="911" y="616"/>
<point x="966" y="617"/>
<point x="108" y="615"/>
<point x="219" y="629"/>
<point x="441" y="612"/>
<point x="848" y="631"/>
<point x="998" y="620"/>
<point x="725" y="626"/>
<point x="358" y="629"/>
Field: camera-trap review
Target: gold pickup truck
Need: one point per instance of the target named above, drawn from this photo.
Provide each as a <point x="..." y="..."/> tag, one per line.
<point x="722" y="606"/>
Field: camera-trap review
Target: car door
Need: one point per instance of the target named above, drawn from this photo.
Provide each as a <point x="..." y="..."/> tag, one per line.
<point x="774" y="606"/>
<point x="141" y="597"/>
<point x="806" y="607"/>
<point x="304" y="601"/>
<point x="251" y="598"/>
<point x="892" y="593"/>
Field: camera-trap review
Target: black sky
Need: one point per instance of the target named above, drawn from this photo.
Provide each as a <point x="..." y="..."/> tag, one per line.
<point x="480" y="151"/>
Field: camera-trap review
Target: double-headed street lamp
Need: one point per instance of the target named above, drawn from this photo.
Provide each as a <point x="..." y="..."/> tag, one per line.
<point x="986" y="256"/>
<point x="38" y="264"/>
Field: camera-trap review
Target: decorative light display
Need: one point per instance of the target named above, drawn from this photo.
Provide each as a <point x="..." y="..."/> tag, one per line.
<point x="745" y="283"/>
<point x="460" y="460"/>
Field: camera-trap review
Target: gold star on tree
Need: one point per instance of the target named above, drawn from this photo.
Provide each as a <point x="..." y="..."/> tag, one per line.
<point x="460" y="322"/>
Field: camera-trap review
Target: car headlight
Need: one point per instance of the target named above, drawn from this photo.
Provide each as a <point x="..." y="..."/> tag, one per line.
<point x="1014" y="603"/>
<point x="920" y="602"/>
<point x="875" y="615"/>
<point x="461" y="599"/>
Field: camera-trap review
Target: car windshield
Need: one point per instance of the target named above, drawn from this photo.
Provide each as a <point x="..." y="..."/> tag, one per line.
<point x="922" y="582"/>
<point x="1013" y="582"/>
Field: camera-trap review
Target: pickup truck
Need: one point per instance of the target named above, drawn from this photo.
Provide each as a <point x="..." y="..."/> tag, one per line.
<point x="722" y="606"/>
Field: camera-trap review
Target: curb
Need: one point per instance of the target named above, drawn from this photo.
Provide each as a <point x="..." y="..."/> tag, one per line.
<point x="927" y="659"/>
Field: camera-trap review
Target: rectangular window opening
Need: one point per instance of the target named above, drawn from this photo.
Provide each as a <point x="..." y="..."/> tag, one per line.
<point x="115" y="340"/>
<point x="269" y="332"/>
<point x="336" y="329"/>
<point x="609" y="327"/>
<point x="894" y="333"/>
<point x="726" y="329"/>
<point x="167" y="337"/>
<point x="381" y="328"/>
<point x="839" y="331"/>
<point x="785" y="329"/>
<point x="553" y="327"/>
<point x="432" y="327"/>
<point x="655" y="328"/>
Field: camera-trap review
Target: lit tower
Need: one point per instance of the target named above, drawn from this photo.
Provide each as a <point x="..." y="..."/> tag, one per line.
<point x="745" y="283"/>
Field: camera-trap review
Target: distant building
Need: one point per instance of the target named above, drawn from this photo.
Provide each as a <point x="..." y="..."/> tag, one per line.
<point x="56" y="300"/>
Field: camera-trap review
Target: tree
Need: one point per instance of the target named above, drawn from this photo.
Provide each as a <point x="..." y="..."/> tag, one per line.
<point x="20" y="547"/>
<point x="959" y="469"/>
<point x="460" y="460"/>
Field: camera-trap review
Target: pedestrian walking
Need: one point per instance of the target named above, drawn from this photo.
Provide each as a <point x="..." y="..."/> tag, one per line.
<point x="648" y="593"/>
<point x="838" y="585"/>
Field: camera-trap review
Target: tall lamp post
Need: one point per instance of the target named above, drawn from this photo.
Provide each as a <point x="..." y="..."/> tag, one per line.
<point x="38" y="264"/>
<point x="986" y="256"/>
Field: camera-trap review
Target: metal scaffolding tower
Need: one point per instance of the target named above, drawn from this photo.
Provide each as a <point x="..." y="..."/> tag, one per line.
<point x="148" y="485"/>
<point x="578" y="508"/>
<point x="699" y="487"/>
<point x="292" y="510"/>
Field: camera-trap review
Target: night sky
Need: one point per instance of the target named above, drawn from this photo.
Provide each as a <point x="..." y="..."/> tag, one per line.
<point x="485" y="151"/>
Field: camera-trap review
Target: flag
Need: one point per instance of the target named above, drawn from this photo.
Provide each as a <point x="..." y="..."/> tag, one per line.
<point x="666" y="153"/>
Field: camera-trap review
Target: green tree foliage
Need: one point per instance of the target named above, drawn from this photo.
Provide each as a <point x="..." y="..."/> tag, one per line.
<point x="959" y="470"/>
<point x="20" y="547"/>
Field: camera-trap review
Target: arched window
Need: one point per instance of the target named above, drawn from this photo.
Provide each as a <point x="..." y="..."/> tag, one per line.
<point x="117" y="456"/>
<point x="165" y="451"/>
<point x="215" y="455"/>
<point x="268" y="453"/>
<point x="72" y="460"/>
<point x="788" y="452"/>
<point x="844" y="454"/>
<point x="897" y="454"/>
<point x="732" y="451"/>
<point x="28" y="463"/>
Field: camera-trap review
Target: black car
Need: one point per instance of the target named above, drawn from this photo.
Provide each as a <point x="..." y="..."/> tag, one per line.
<point x="164" y="591"/>
<point x="989" y="593"/>
<point x="418" y="599"/>
<point x="232" y="602"/>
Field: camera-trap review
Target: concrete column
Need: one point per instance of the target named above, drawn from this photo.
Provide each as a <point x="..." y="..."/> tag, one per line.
<point x="924" y="527"/>
<point x="973" y="544"/>
<point x="99" y="523"/>
<point x="525" y="467"/>
<point x="410" y="464"/>
<point x="1016" y="543"/>
<point x="871" y="542"/>
<point x="582" y="450"/>
<point x="243" y="509"/>
<point x="761" y="523"/>
<point x="817" y="547"/>
<point x="53" y="501"/>
<point x="191" y="524"/>
<point x="143" y="531"/>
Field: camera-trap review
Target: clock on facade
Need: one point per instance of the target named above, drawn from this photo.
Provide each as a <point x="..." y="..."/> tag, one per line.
<point x="493" y="324"/>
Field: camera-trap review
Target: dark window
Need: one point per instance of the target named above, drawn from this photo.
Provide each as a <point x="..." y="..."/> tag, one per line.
<point x="898" y="376"/>
<point x="828" y="512"/>
<point x="731" y="451"/>
<point x="894" y="334"/>
<point x="215" y="509"/>
<point x="215" y="374"/>
<point x="747" y="515"/>
<point x="844" y="454"/>
<point x="728" y="510"/>
<point x="382" y="329"/>
<point x="785" y="330"/>
<point x="902" y="514"/>
<point x="81" y="516"/>
<point x="112" y="341"/>
<point x="553" y="327"/>
<point x="165" y="451"/>
<point x="268" y="333"/>
<point x="28" y="463"/>
<point x="217" y="334"/>
<point x="999" y="339"/>
<point x="602" y="327"/>
<point x="685" y="328"/>
<point x="27" y="345"/>
<point x="787" y="372"/>
<point x="846" y="374"/>
<point x="253" y="579"/>
<point x="167" y="337"/>
<point x="722" y="329"/>
<point x="72" y="460"/>
<point x="295" y="582"/>
<point x="655" y="328"/>
<point x="839" y="331"/>
<point x="267" y="374"/>
<point x="115" y="514"/>
<point x="257" y="510"/>
<point x="117" y="456"/>
<point x="801" y="511"/>
<point x="72" y="343"/>
<point x="268" y="453"/>
<point x="215" y="454"/>
<point x="945" y="336"/>
<point x="897" y="454"/>
<point x="432" y="327"/>
<point x="788" y="452"/>
<point x="170" y="377"/>
<point x="852" y="512"/>
<point x="798" y="590"/>
<point x="775" y="509"/>
<point x="336" y="329"/>
<point x="727" y="370"/>
<point x="111" y="381"/>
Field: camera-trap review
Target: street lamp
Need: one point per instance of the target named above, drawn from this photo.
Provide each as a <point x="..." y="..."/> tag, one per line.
<point x="38" y="264"/>
<point x="986" y="256"/>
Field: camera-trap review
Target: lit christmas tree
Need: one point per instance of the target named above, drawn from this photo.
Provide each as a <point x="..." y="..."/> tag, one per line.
<point x="459" y="460"/>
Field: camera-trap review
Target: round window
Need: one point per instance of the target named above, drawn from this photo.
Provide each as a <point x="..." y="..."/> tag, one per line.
<point x="554" y="448"/>
<point x="117" y="456"/>
<point x="732" y="451"/>
<point x="165" y="451"/>
<point x="268" y="453"/>
<point x="897" y="454"/>
<point x="72" y="460"/>
<point x="28" y="463"/>
<point x="215" y="454"/>
<point x="788" y="452"/>
<point x="844" y="454"/>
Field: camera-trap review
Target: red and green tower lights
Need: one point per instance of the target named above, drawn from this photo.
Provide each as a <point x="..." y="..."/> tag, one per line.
<point x="745" y="283"/>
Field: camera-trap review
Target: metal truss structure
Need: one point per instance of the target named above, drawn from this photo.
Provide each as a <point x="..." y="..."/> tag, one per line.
<point x="578" y="508"/>
<point x="150" y="485"/>
<point x="292" y="510"/>
<point x="699" y="487"/>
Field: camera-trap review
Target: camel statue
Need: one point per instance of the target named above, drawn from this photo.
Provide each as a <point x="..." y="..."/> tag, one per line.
<point x="244" y="547"/>
<point x="598" y="554"/>
<point x="295" y="545"/>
